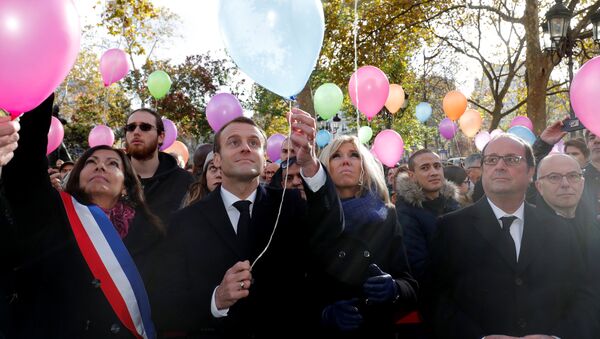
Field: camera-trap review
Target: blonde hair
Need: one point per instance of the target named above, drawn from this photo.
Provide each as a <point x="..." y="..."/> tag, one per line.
<point x="371" y="178"/>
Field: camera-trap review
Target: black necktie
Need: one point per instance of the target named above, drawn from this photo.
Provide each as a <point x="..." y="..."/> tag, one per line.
<point x="509" y="241"/>
<point x="243" y="225"/>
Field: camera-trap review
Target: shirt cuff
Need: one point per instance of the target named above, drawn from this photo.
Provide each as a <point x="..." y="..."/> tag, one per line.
<point x="213" y="307"/>
<point x="317" y="181"/>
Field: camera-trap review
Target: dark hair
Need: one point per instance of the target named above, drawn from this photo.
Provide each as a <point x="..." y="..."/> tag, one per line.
<point x="133" y="187"/>
<point x="529" y="158"/>
<point x="66" y="163"/>
<point x="199" y="158"/>
<point x="160" y="127"/>
<point x="197" y="190"/>
<point x="580" y="145"/>
<point x="473" y="159"/>
<point x="411" y="160"/>
<point x="240" y="120"/>
<point x="456" y="174"/>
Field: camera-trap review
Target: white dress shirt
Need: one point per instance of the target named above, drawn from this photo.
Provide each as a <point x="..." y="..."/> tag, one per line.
<point x="516" y="229"/>
<point x="314" y="183"/>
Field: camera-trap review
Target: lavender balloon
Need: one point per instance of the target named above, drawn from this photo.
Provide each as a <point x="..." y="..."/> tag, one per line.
<point x="447" y="128"/>
<point x="170" y="134"/>
<point x="101" y="135"/>
<point x="274" y="146"/>
<point x="221" y="109"/>
<point x="481" y="139"/>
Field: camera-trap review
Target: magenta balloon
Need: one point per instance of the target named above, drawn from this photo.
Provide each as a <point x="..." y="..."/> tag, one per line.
<point x="274" y="146"/>
<point x="40" y="41"/>
<point x="481" y="139"/>
<point x="388" y="147"/>
<point x="447" y="128"/>
<point x="101" y="135"/>
<point x="585" y="91"/>
<point x="373" y="90"/>
<point x="170" y="134"/>
<point x="113" y="66"/>
<point x="221" y="109"/>
<point x="56" y="134"/>
<point x="521" y="120"/>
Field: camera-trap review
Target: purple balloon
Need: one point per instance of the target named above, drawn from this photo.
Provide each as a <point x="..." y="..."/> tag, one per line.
<point x="274" y="146"/>
<point x="521" y="120"/>
<point x="447" y="128"/>
<point x="170" y="134"/>
<point x="101" y="135"/>
<point x="221" y="109"/>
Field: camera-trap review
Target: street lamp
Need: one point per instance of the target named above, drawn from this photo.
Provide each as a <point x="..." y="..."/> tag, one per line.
<point x="595" y="19"/>
<point x="559" y="19"/>
<point x="336" y="123"/>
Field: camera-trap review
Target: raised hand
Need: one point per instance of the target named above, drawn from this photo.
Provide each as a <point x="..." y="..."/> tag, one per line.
<point x="303" y="135"/>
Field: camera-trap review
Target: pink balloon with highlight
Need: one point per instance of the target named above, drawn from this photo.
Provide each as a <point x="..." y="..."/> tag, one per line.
<point x="373" y="90"/>
<point x="221" y="109"/>
<point x="56" y="134"/>
<point x="447" y="128"/>
<point x="481" y="139"/>
<point x="584" y="93"/>
<point x="388" y="147"/>
<point x="40" y="41"/>
<point x="521" y="120"/>
<point x="101" y="135"/>
<point x="274" y="146"/>
<point x="113" y="66"/>
<point x="170" y="134"/>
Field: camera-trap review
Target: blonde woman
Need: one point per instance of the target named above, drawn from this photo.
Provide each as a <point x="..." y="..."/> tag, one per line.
<point x="369" y="279"/>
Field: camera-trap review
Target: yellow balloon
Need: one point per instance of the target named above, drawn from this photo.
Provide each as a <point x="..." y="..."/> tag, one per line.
<point x="395" y="98"/>
<point x="470" y="122"/>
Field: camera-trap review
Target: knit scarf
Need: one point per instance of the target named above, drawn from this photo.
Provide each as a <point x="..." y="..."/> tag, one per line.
<point x="363" y="210"/>
<point x="120" y="216"/>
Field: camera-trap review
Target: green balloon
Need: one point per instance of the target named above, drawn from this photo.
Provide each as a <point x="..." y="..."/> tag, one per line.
<point x="365" y="134"/>
<point x="328" y="100"/>
<point x="159" y="84"/>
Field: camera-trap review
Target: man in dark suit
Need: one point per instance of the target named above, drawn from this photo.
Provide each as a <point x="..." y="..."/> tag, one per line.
<point x="501" y="270"/>
<point x="215" y="240"/>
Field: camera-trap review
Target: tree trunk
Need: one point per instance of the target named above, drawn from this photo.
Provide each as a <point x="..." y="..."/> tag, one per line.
<point x="305" y="100"/>
<point x="539" y="67"/>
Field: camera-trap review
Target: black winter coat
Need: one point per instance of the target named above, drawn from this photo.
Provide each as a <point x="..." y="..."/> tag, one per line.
<point x="58" y="296"/>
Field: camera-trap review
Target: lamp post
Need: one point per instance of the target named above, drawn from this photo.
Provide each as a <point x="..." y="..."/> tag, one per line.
<point x="559" y="40"/>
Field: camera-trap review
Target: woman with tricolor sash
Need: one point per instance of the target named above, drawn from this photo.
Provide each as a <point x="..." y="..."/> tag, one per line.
<point x="89" y="254"/>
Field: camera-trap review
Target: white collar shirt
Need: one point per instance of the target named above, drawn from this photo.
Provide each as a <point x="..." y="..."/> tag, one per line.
<point x="516" y="229"/>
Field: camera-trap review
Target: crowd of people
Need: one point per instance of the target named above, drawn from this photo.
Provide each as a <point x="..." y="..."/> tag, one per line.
<point x="127" y="244"/>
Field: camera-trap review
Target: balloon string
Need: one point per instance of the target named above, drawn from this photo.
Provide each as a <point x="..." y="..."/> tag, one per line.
<point x="105" y="115"/>
<point x="287" y="165"/>
<point x="355" y="33"/>
<point x="457" y="147"/>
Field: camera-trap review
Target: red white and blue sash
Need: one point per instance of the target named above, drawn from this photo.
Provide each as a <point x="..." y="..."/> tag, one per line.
<point x="110" y="262"/>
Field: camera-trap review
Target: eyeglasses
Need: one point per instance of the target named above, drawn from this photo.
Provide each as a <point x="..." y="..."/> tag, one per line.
<point x="145" y="127"/>
<point x="556" y="178"/>
<point x="509" y="160"/>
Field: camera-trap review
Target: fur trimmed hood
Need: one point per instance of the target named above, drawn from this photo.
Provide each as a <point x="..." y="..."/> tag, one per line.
<point x="411" y="193"/>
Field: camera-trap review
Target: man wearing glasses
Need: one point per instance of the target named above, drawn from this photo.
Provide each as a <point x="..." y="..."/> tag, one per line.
<point x="164" y="182"/>
<point x="499" y="269"/>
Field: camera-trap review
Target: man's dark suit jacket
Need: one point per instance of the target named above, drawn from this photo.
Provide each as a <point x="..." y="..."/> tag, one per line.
<point x="478" y="291"/>
<point x="204" y="246"/>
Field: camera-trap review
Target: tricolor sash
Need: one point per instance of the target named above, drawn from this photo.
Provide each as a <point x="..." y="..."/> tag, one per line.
<point x="110" y="263"/>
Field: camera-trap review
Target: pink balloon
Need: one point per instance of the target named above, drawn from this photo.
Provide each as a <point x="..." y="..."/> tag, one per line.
<point x="56" y="134"/>
<point x="170" y="134"/>
<point x="388" y="147"/>
<point x="373" y="90"/>
<point x="521" y="120"/>
<point x="495" y="133"/>
<point x="113" y="66"/>
<point x="274" y="146"/>
<point x="447" y="128"/>
<point x="559" y="147"/>
<point x="481" y="139"/>
<point x="585" y="91"/>
<point x="40" y="41"/>
<point x="221" y="109"/>
<point x="101" y="135"/>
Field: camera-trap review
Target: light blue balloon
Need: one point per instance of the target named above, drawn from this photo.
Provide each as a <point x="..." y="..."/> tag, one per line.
<point x="523" y="133"/>
<point x="323" y="138"/>
<point x="276" y="43"/>
<point x="423" y="111"/>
